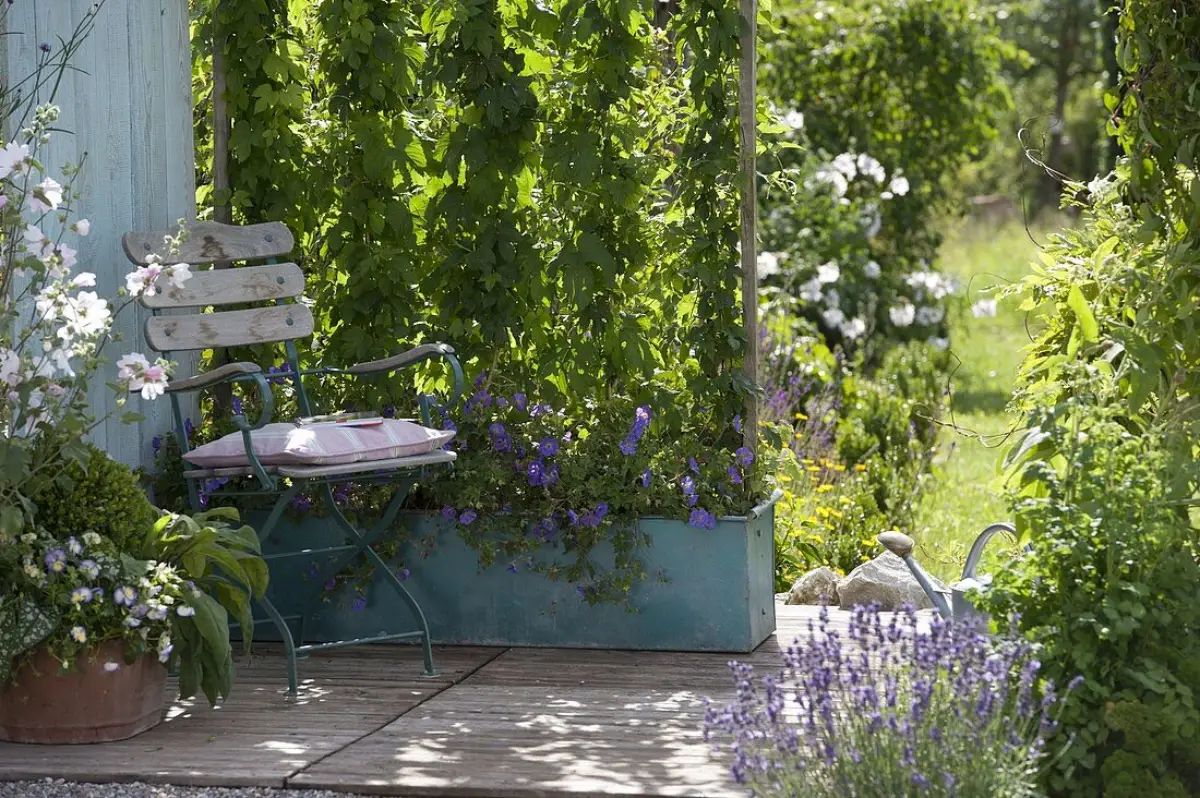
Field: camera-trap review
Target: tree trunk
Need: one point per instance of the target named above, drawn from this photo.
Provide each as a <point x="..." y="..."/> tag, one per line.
<point x="1068" y="43"/>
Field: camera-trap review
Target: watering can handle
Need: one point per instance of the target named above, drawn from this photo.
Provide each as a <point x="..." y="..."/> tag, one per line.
<point x="981" y="542"/>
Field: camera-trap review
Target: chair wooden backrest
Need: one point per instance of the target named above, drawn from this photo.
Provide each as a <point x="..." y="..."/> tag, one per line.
<point x="211" y="243"/>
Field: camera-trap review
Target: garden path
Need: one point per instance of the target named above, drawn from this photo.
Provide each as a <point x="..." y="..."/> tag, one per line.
<point x="510" y="723"/>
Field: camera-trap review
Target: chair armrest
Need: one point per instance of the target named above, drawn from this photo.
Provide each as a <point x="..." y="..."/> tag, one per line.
<point x="414" y="355"/>
<point x="209" y="378"/>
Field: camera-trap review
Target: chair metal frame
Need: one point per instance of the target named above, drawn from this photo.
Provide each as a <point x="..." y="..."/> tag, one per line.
<point x="401" y="472"/>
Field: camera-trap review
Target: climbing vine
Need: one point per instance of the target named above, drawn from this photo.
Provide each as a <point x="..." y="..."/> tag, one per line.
<point x="553" y="188"/>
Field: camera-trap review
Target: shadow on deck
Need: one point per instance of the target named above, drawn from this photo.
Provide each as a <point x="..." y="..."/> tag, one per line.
<point x="511" y="723"/>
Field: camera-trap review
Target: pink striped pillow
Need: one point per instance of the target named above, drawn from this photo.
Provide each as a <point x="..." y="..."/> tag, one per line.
<point x="325" y="443"/>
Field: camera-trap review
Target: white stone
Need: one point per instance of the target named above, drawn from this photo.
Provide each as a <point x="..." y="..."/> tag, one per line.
<point x="887" y="580"/>
<point x="815" y="587"/>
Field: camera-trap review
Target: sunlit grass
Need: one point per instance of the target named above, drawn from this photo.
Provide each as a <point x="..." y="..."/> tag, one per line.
<point x="966" y="493"/>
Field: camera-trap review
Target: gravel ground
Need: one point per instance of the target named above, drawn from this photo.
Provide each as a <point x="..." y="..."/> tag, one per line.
<point x="57" y="788"/>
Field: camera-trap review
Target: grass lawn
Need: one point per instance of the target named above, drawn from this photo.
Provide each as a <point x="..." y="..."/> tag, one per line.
<point x="966" y="491"/>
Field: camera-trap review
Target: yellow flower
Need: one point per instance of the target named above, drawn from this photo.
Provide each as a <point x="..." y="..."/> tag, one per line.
<point x="806" y="461"/>
<point x="784" y="478"/>
<point x="813" y="469"/>
<point x="824" y="488"/>
<point x="860" y="468"/>
<point x="845" y="501"/>
<point x="79" y="634"/>
<point x="801" y="417"/>
<point x="839" y="467"/>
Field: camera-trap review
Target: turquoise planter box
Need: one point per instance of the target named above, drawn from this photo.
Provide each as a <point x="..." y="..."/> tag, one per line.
<point x="718" y="594"/>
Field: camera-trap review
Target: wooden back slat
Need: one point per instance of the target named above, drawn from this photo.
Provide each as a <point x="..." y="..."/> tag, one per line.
<point x="229" y="328"/>
<point x="229" y="286"/>
<point x="213" y="242"/>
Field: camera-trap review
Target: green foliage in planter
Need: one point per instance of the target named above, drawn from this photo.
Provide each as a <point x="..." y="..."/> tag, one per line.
<point x="225" y="570"/>
<point x="99" y="495"/>
<point x="1109" y="594"/>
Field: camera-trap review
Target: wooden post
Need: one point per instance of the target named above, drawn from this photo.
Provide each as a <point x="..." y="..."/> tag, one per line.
<point x="747" y="113"/>
<point x="222" y="211"/>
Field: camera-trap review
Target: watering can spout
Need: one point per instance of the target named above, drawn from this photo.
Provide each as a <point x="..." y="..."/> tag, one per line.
<point x="902" y="546"/>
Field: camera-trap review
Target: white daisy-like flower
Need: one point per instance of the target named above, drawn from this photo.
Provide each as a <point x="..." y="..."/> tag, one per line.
<point x="872" y="270"/>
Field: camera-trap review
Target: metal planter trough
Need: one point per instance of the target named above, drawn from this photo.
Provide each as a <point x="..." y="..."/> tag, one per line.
<point x="718" y="592"/>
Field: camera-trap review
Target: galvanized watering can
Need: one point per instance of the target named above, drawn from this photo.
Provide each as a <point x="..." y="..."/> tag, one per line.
<point x="958" y="606"/>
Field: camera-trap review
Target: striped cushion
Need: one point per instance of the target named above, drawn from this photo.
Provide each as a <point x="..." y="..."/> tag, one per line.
<point x="321" y="444"/>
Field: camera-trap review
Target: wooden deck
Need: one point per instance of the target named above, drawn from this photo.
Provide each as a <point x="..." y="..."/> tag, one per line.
<point x="510" y="723"/>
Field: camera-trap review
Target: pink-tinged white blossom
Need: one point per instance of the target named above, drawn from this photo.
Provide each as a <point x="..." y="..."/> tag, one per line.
<point x="46" y="196"/>
<point x="14" y="158"/>
<point x="140" y="375"/>
<point x="84" y="280"/>
<point x="142" y="280"/>
<point x="82" y="227"/>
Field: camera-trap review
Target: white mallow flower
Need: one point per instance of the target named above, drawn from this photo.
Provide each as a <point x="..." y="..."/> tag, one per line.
<point x="46" y="196"/>
<point x="828" y="272"/>
<point x="84" y="280"/>
<point x="794" y="120"/>
<point x="984" y="308"/>
<point x="768" y="264"/>
<point x="855" y="328"/>
<point x="899" y="186"/>
<point x="811" y="291"/>
<point x="38" y="244"/>
<point x="82" y="227"/>
<point x="834" y="317"/>
<point x="930" y="314"/>
<point x="85" y="314"/>
<point x="846" y="165"/>
<point x="178" y="274"/>
<point x="869" y="167"/>
<point x="140" y="375"/>
<point x="142" y="280"/>
<point x="872" y="270"/>
<point x="902" y="315"/>
<point x="10" y="367"/>
<point x="14" y="158"/>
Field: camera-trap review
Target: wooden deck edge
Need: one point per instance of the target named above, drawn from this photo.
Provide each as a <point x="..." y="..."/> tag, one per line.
<point x="287" y="780"/>
<point x="11" y="775"/>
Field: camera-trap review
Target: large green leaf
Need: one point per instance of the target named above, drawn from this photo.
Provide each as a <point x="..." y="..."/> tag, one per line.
<point x="23" y="625"/>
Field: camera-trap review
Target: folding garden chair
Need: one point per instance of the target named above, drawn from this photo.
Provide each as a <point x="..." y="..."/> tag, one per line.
<point x="275" y="316"/>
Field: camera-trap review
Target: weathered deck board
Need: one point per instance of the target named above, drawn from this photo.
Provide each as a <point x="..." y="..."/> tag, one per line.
<point x="258" y="737"/>
<point x="515" y="723"/>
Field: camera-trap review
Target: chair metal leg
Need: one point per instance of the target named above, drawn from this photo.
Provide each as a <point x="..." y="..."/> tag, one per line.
<point x="289" y="646"/>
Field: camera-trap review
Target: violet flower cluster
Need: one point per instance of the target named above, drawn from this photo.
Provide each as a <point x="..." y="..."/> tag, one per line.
<point x="888" y="708"/>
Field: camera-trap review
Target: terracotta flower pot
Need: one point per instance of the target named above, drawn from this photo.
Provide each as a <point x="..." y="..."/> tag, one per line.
<point x="87" y="705"/>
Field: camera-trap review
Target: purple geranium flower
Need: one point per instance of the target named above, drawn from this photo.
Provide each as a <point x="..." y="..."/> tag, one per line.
<point x="360" y="603"/>
<point x="331" y="584"/>
<point x="688" y="485"/>
<point x="646" y="478"/>
<point x="237" y="406"/>
<point x="520" y="402"/>
<point x="449" y="513"/>
<point x="536" y="473"/>
<point x="735" y="476"/>
<point x="548" y="447"/>
<point x="467" y="516"/>
<point x="744" y="456"/>
<point x="702" y="519"/>
<point x="156" y="444"/>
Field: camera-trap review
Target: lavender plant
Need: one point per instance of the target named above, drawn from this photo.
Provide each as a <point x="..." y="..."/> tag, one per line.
<point x="890" y="709"/>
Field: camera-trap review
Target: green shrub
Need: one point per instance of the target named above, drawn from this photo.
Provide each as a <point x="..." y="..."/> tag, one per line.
<point x="103" y="496"/>
<point x="1109" y="593"/>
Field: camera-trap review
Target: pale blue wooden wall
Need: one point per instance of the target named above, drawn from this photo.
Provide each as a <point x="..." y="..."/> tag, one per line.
<point x="130" y="110"/>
